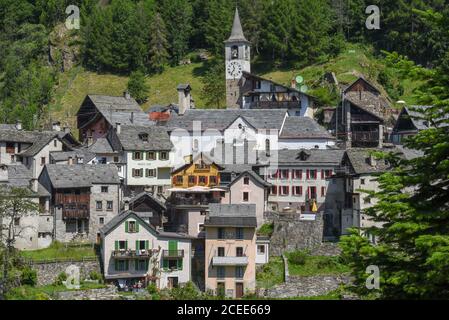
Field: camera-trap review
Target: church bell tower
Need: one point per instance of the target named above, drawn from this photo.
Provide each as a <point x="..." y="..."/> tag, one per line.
<point x="238" y="60"/>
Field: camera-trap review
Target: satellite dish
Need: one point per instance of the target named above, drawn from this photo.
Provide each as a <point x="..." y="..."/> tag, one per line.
<point x="304" y="89"/>
<point x="299" y="79"/>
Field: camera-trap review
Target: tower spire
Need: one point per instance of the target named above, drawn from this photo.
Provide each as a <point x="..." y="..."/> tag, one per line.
<point x="237" y="30"/>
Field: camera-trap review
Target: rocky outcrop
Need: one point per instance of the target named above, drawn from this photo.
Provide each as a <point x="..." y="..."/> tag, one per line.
<point x="63" y="48"/>
<point x="108" y="293"/>
<point x="48" y="272"/>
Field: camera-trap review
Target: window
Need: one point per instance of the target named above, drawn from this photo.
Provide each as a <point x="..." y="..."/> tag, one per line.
<point x="323" y="191"/>
<point x="16" y="221"/>
<point x="172" y="264"/>
<point x="239" y="233"/>
<point x="297" y="190"/>
<point x="104" y="189"/>
<point x="246" y="181"/>
<point x="110" y="205"/>
<point x="160" y="190"/>
<point x="99" y="205"/>
<point x="311" y="174"/>
<point x="121" y="265"/>
<point x="221" y="251"/>
<point x="284" y="174"/>
<point x="141" y="265"/>
<point x="163" y="156"/>
<point x="284" y="190"/>
<point x="55" y="143"/>
<point x="116" y="159"/>
<point x="327" y="173"/>
<point x="143" y="137"/>
<point x="312" y="192"/>
<point x="151" y="173"/>
<point x="203" y="179"/>
<point x="239" y="272"/>
<point x="220" y="272"/>
<point x="261" y="249"/>
<point x="137" y="173"/>
<point x="179" y="179"/>
<point x="142" y="245"/>
<point x="239" y="251"/>
<point x="274" y="190"/>
<point x="151" y="155"/>
<point x="101" y="221"/>
<point x="213" y="180"/>
<point x="132" y="226"/>
<point x="362" y="181"/>
<point x="267" y="145"/>
<point x="297" y="174"/>
<point x="192" y="179"/>
<point x="221" y="233"/>
<point x="245" y="196"/>
<point x="258" y="84"/>
<point x="42" y="161"/>
<point x="137" y="156"/>
<point x="122" y="245"/>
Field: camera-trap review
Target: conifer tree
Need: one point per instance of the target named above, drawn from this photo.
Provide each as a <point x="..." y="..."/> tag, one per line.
<point x="158" y="45"/>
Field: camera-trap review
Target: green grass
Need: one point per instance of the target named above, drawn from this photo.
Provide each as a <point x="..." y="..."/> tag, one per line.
<point x="316" y="265"/>
<point x="60" y="251"/>
<point x="266" y="229"/>
<point x="271" y="274"/>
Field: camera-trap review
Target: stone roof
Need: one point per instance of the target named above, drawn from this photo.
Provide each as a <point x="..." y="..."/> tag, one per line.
<point x="158" y="138"/>
<point x="309" y="157"/>
<point x="369" y="102"/>
<point x="142" y="195"/>
<point x="81" y="175"/>
<point x="59" y="156"/>
<point x="303" y="128"/>
<point x="120" y="110"/>
<point x="409" y="154"/>
<point x="360" y="161"/>
<point x="252" y="174"/>
<point x="19" y="176"/>
<point x="232" y="215"/>
<point x="118" y="219"/>
<point x="237" y="30"/>
<point x="101" y="146"/>
<point x="220" y="119"/>
<point x="416" y="117"/>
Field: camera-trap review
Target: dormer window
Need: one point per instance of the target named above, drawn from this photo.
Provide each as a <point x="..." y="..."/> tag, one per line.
<point x="143" y="137"/>
<point x="303" y="155"/>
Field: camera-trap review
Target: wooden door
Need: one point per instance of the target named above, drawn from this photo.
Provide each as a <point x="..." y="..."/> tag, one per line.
<point x="239" y="290"/>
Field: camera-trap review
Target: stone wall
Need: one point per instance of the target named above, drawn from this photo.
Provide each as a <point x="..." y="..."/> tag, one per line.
<point x="291" y="234"/>
<point x="48" y="272"/>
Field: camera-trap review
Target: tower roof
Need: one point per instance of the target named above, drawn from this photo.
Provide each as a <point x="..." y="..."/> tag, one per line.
<point x="237" y="30"/>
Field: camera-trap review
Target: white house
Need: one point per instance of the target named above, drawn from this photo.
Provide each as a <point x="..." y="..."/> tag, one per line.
<point x="132" y="250"/>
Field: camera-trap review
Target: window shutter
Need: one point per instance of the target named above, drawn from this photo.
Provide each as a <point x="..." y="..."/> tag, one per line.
<point x="300" y="190"/>
<point x="116" y="265"/>
<point x="134" y="156"/>
<point x="116" y="245"/>
<point x="147" y="244"/>
<point x="308" y="174"/>
<point x="205" y="180"/>
<point x="126" y="245"/>
<point x="137" y="245"/>
<point x="293" y="190"/>
<point x="126" y="226"/>
<point x="288" y="190"/>
<point x="179" y="264"/>
<point x="174" y="180"/>
<point x="165" y="264"/>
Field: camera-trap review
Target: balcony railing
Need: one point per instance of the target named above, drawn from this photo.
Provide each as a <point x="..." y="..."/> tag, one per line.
<point x="173" y="254"/>
<point x="193" y="201"/>
<point x="72" y="198"/>
<point x="131" y="254"/>
<point x="75" y="213"/>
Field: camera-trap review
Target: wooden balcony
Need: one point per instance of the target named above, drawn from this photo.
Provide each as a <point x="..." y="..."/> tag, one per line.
<point x="61" y="198"/>
<point x="77" y="213"/>
<point x="131" y="254"/>
<point x="173" y="254"/>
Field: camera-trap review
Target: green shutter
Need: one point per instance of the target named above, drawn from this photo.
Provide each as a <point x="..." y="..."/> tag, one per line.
<point x="172" y="245"/>
<point x="116" y="245"/>
<point x="126" y="226"/>
<point x="180" y="264"/>
<point x="137" y="245"/>
<point x="165" y="264"/>
<point x="126" y="245"/>
<point x="147" y="244"/>
<point x="116" y="265"/>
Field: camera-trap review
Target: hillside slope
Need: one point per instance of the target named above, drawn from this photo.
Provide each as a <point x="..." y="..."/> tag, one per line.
<point x="74" y="85"/>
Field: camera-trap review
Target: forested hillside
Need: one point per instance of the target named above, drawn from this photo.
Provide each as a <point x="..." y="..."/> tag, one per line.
<point x="42" y="67"/>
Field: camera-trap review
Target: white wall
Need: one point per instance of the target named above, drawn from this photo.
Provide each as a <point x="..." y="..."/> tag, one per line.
<point x="163" y="168"/>
<point x="296" y="144"/>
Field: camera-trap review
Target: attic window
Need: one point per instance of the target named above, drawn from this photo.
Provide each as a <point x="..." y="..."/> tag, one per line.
<point x="143" y="137"/>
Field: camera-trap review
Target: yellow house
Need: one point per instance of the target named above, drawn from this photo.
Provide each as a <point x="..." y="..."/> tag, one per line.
<point x="200" y="172"/>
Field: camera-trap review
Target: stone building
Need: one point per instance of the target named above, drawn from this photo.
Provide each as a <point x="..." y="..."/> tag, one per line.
<point x="83" y="199"/>
<point x="230" y="261"/>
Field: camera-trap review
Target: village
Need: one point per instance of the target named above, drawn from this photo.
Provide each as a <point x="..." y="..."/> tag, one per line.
<point x="177" y="194"/>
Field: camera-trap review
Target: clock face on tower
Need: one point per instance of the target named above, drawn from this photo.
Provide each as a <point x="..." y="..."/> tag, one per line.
<point x="234" y="69"/>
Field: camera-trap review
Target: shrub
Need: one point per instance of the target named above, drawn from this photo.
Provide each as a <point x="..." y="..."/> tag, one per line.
<point x="185" y="292"/>
<point x="266" y="229"/>
<point x="152" y="288"/>
<point x="94" y="275"/>
<point x="60" y="279"/>
<point x="28" y="277"/>
<point x="298" y="258"/>
<point x="326" y="262"/>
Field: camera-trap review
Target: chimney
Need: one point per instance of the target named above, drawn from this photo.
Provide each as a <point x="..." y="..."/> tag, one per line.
<point x="126" y="95"/>
<point x="118" y="127"/>
<point x="3" y="173"/>
<point x="56" y="126"/>
<point x="70" y="161"/>
<point x="90" y="141"/>
<point x="19" y="125"/>
<point x="66" y="130"/>
<point x="34" y="185"/>
<point x="184" y="98"/>
<point x="132" y="118"/>
<point x="126" y="205"/>
<point x="372" y="160"/>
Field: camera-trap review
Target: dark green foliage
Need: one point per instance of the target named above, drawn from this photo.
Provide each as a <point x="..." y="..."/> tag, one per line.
<point x="158" y="45"/>
<point x="413" y="244"/>
<point x="214" y="90"/>
<point x="137" y="86"/>
<point x="60" y="279"/>
<point x="297" y="257"/>
<point x="266" y="229"/>
<point x="94" y="275"/>
<point x="186" y="292"/>
<point x="28" y="277"/>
